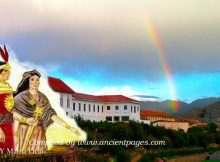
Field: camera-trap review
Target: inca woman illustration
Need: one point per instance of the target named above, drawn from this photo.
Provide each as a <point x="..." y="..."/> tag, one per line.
<point x="33" y="114"/>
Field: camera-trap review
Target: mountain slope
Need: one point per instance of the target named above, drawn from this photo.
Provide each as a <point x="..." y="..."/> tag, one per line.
<point x="207" y="114"/>
<point x="165" y="106"/>
<point x="204" y="102"/>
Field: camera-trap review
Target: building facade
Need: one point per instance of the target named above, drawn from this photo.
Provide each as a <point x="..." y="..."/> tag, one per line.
<point x="113" y="108"/>
<point x="175" y="125"/>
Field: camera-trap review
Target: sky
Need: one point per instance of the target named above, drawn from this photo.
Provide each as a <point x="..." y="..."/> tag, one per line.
<point x="105" y="46"/>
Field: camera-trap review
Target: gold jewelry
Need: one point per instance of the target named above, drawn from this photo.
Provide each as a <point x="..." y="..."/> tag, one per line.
<point x="23" y="119"/>
<point x="67" y="126"/>
<point x="9" y="102"/>
<point x="5" y="87"/>
<point x="32" y="102"/>
<point x="38" y="111"/>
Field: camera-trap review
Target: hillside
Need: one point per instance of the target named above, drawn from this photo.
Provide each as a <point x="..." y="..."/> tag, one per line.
<point x="165" y="106"/>
<point x="209" y="113"/>
<point x="204" y="102"/>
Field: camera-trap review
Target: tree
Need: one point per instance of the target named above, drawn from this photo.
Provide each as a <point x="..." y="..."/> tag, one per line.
<point x="137" y="132"/>
<point x="202" y="114"/>
<point x="212" y="127"/>
<point x="123" y="156"/>
<point x="120" y="131"/>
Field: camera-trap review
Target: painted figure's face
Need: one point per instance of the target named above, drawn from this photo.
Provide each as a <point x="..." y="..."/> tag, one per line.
<point x="34" y="82"/>
<point x="5" y="75"/>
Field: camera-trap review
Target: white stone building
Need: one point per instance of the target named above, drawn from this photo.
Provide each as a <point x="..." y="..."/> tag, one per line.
<point x="96" y="108"/>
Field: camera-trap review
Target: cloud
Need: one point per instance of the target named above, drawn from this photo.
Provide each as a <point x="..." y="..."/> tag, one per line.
<point x="125" y="90"/>
<point x="146" y="98"/>
<point x="186" y="100"/>
<point x="107" y="44"/>
<point x="90" y="36"/>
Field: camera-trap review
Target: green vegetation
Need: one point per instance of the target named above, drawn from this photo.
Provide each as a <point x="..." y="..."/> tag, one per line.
<point x="174" y="140"/>
<point x="195" y="137"/>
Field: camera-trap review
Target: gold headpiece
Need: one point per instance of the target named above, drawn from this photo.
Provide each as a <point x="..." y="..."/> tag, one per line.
<point x="5" y="66"/>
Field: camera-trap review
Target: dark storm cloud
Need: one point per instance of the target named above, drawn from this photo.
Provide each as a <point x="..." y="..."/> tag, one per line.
<point x="146" y="96"/>
<point x="116" y="44"/>
<point x="77" y="52"/>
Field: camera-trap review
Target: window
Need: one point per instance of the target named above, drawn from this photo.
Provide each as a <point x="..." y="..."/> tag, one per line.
<point x="98" y="108"/>
<point x="125" y="107"/>
<point x="125" y="118"/>
<point x="102" y="108"/>
<point x="108" y="107"/>
<point x="116" y="118"/>
<point x="108" y="118"/>
<point x="134" y="109"/>
<point x="116" y="107"/>
<point x="61" y="101"/>
<point x="93" y="108"/>
<point x="66" y="113"/>
<point x="131" y="108"/>
<point x="68" y="102"/>
<point x="74" y="106"/>
<point x="79" y="106"/>
<point x="84" y="107"/>
<point x="137" y="108"/>
<point x="89" y="107"/>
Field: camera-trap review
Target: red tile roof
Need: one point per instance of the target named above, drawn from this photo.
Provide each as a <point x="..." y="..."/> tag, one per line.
<point x="190" y="121"/>
<point x="85" y="97"/>
<point x="59" y="86"/>
<point x="147" y="113"/>
<point x="106" y="98"/>
<point x="116" y="98"/>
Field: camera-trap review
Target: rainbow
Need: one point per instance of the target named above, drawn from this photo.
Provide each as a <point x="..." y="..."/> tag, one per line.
<point x="164" y="63"/>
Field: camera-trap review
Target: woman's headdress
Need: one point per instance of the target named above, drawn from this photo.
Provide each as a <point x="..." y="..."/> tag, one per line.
<point x="24" y="83"/>
<point x="28" y="74"/>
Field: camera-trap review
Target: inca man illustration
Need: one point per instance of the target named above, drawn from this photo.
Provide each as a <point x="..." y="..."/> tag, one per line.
<point x="6" y="104"/>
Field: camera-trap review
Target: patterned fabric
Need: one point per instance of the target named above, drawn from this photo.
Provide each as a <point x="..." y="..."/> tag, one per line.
<point x="25" y="105"/>
<point x="6" y="118"/>
<point x="37" y="140"/>
<point x="6" y="122"/>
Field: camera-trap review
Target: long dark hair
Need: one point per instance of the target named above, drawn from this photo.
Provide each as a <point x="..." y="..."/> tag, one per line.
<point x="24" y="83"/>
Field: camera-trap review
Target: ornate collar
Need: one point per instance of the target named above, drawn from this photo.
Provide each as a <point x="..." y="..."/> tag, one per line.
<point x="5" y="87"/>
